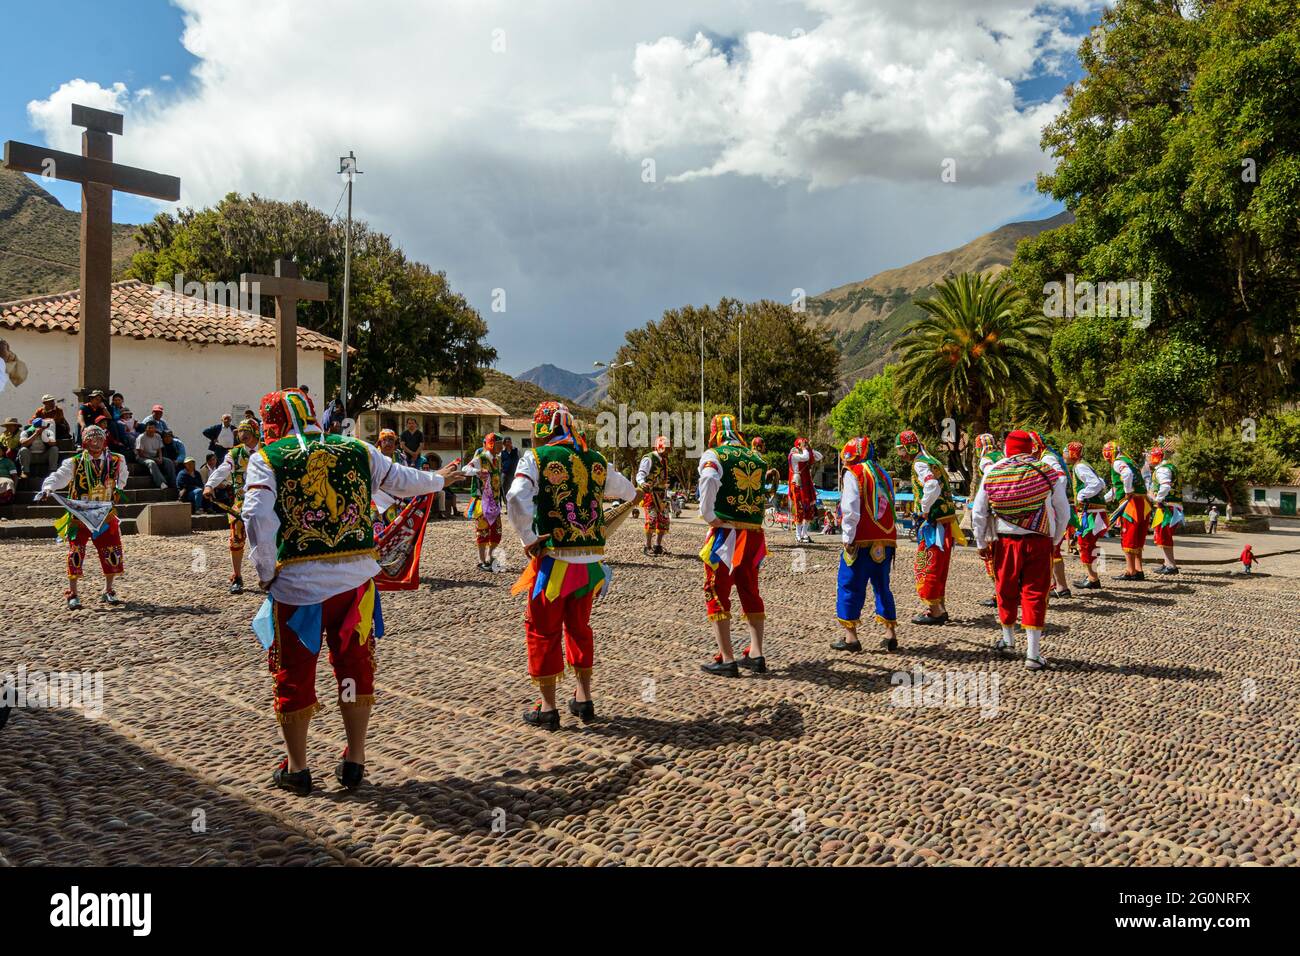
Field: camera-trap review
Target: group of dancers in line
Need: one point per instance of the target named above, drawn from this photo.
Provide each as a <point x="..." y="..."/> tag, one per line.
<point x="305" y="505"/>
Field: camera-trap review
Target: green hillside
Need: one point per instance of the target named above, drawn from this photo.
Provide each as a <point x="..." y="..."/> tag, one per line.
<point x="40" y="241"/>
<point x="866" y="318"/>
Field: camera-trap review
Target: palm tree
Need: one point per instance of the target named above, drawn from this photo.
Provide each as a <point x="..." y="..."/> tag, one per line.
<point x="977" y="348"/>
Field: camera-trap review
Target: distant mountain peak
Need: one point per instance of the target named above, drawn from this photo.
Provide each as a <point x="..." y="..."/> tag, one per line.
<point x="585" y="388"/>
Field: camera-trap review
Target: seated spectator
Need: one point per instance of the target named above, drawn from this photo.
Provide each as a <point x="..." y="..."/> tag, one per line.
<point x="37" y="441"/>
<point x="148" y="449"/>
<point x="127" y="421"/>
<point x="189" y="484"/>
<point x="49" y="409"/>
<point x="11" y="441"/>
<point x="155" y="418"/>
<point x="412" y="440"/>
<point x="221" y="437"/>
<point x="8" y="480"/>
<point x="91" y="409"/>
<point x="173" y="450"/>
<point x="209" y="466"/>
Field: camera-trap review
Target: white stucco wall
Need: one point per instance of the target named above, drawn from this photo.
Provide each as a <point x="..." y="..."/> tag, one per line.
<point x="195" y="384"/>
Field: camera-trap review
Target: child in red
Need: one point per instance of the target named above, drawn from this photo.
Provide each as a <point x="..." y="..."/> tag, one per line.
<point x="1247" y="558"/>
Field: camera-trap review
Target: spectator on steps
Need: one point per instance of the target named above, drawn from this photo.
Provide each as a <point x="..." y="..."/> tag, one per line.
<point x="221" y="437"/>
<point x="189" y="484"/>
<point x="148" y="449"/>
<point x="209" y="465"/>
<point x="96" y="408"/>
<point x="8" y="480"/>
<point x="33" y="444"/>
<point x="11" y="441"/>
<point x="49" y="408"/>
<point x="173" y="450"/>
<point x="155" y="418"/>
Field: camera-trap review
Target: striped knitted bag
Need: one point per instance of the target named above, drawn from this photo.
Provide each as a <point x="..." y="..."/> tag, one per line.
<point x="1018" y="489"/>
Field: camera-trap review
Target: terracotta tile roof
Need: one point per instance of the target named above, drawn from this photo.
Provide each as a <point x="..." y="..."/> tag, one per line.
<point x="444" y="405"/>
<point x="517" y="424"/>
<point x="141" y="311"/>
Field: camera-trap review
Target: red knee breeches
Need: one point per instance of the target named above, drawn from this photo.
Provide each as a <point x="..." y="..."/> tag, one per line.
<point x="1023" y="565"/>
<point x="717" y="591"/>
<point x="293" y="667"/>
<point x="558" y="630"/>
<point x="108" y="545"/>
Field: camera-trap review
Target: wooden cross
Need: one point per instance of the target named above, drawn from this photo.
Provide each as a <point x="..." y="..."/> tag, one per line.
<point x="99" y="176"/>
<point x="287" y="289"/>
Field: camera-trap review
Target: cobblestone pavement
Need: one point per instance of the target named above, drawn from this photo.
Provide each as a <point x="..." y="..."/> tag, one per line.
<point x="1165" y="733"/>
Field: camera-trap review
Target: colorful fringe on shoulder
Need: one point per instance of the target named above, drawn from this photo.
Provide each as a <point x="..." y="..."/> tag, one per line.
<point x="734" y="547"/>
<point x="555" y="578"/>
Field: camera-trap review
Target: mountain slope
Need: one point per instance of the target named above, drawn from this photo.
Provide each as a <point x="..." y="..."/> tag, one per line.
<point x="867" y="317"/>
<point x="572" y="385"/>
<point x="521" y="398"/>
<point x="40" y="241"/>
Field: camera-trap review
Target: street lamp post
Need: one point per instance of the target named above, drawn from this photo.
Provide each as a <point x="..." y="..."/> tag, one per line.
<point x="809" y="395"/>
<point x="610" y="367"/>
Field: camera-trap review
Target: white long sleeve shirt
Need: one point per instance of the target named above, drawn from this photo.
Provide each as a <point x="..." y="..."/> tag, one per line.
<point x="931" y="487"/>
<point x="798" y="457"/>
<point x="1125" y="475"/>
<point x="1090" y="484"/>
<point x="61" y="477"/>
<point x="988" y="527"/>
<point x="850" y="496"/>
<point x="310" y="582"/>
<point x="522" y="505"/>
<point x="1164" y="481"/>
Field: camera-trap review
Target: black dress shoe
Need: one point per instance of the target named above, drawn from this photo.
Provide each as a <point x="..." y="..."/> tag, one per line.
<point x="659" y="549"/>
<point x="843" y="645"/>
<point x="721" y="668"/>
<point x="1059" y="594"/>
<point x="989" y="602"/>
<point x="584" y="710"/>
<point x="546" y="719"/>
<point x="1088" y="585"/>
<point x="756" y="664"/>
<point x="237" y="586"/>
<point x="890" y="643"/>
<point x="925" y="618"/>
<point x="348" y="773"/>
<point x="1126" y="577"/>
<point x="299" y="783"/>
<point x="1139" y="576"/>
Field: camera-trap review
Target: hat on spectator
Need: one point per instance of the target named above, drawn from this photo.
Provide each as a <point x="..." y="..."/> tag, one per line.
<point x="11" y="421"/>
<point x="157" y="408"/>
<point x="48" y="398"/>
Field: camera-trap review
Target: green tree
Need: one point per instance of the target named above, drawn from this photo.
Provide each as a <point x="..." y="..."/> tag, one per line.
<point x="977" y="348"/>
<point x="783" y="353"/>
<point x="1218" y="463"/>
<point x="405" y="322"/>
<point x="1179" y="154"/>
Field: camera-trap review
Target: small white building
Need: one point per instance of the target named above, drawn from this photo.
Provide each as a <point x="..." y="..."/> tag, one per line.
<point x="1276" y="499"/>
<point x="197" y="359"/>
<point x="449" y="422"/>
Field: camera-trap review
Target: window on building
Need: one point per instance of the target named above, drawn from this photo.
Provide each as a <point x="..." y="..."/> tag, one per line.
<point x="1260" y="494"/>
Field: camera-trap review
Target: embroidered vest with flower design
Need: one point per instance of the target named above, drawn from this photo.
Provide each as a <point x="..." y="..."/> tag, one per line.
<point x="95" y="479"/>
<point x="322" y="498"/>
<point x="943" y="506"/>
<point x="740" y="500"/>
<point x="239" y="456"/>
<point x="571" y="487"/>
<point x="657" y="479"/>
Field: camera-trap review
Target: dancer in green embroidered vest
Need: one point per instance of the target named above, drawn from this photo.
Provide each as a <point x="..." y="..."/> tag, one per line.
<point x="939" y="531"/>
<point x="231" y="472"/>
<point x="732" y="503"/>
<point x="1167" y="498"/>
<point x="555" y="506"/>
<point x="307" y="500"/>
<point x="987" y="454"/>
<point x="1092" y="517"/>
<point x="652" y="483"/>
<point x="1129" y="492"/>
<point x="95" y="475"/>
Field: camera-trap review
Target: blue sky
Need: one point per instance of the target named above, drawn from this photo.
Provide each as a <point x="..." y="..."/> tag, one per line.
<point x="796" y="143"/>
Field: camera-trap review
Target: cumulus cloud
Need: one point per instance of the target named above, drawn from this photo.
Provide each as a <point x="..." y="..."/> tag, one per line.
<point x="503" y="141"/>
<point x="874" y="90"/>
